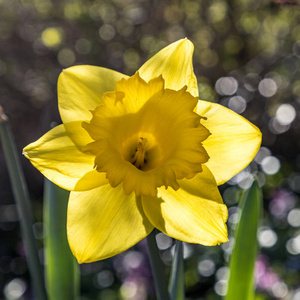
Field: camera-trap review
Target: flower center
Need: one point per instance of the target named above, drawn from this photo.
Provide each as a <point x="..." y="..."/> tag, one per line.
<point x="142" y="151"/>
<point x="139" y="157"/>
<point x="146" y="136"/>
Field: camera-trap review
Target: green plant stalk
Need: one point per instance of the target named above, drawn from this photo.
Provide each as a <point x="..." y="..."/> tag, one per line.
<point x="242" y="262"/>
<point x="62" y="272"/>
<point x="158" y="271"/>
<point x="176" y="285"/>
<point x="23" y="205"/>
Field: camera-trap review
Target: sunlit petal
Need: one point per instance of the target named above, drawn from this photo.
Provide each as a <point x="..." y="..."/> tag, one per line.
<point x="77" y="134"/>
<point x="80" y="89"/>
<point x="233" y="142"/>
<point x="104" y="222"/>
<point x="175" y="63"/>
<point x="57" y="157"/>
<point x="90" y="180"/>
<point x="194" y="213"/>
<point x="137" y="91"/>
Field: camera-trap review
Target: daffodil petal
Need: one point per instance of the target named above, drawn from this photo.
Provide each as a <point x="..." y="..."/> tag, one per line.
<point x="175" y="64"/>
<point x="137" y="91"/>
<point x="233" y="142"/>
<point x="78" y="134"/>
<point x="91" y="180"/>
<point x="104" y="222"/>
<point x="57" y="157"/>
<point x="194" y="213"/>
<point x="80" y="89"/>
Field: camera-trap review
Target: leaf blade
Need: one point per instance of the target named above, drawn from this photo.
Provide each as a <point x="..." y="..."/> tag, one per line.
<point x="22" y="199"/>
<point x="242" y="262"/>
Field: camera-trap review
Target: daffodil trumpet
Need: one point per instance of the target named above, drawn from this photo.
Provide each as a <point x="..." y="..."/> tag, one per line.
<point x="142" y="152"/>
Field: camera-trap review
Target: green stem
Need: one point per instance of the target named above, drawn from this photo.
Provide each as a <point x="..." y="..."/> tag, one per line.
<point x="158" y="271"/>
<point x="62" y="274"/>
<point x="23" y="205"/>
<point x="177" y="274"/>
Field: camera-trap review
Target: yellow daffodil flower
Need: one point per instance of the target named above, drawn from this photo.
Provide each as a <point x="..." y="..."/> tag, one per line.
<point x="142" y="152"/>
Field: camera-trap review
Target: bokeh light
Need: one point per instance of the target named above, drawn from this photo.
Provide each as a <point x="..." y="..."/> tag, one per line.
<point x="267" y="237"/>
<point x="285" y="114"/>
<point x="226" y="86"/>
<point x="52" y="37"/>
<point x="220" y="287"/>
<point x="105" y="279"/>
<point x="237" y="104"/>
<point x="267" y="87"/>
<point x="206" y="267"/>
<point x="270" y="165"/>
<point x="294" y="217"/>
<point x="15" y="289"/>
<point x="163" y="241"/>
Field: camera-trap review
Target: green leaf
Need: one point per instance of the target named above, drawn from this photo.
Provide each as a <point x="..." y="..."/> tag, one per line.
<point x="21" y="196"/>
<point x="242" y="262"/>
<point x="62" y="273"/>
<point x="176" y="286"/>
<point x="157" y="267"/>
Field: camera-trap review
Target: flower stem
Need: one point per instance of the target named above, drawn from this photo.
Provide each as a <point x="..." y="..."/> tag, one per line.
<point x="158" y="271"/>
<point x="23" y="205"/>
<point x="176" y="286"/>
<point x="62" y="272"/>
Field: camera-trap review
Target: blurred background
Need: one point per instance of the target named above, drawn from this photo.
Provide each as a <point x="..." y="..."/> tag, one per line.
<point x="247" y="55"/>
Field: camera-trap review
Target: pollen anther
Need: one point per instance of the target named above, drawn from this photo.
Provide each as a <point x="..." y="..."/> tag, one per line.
<point x="139" y="158"/>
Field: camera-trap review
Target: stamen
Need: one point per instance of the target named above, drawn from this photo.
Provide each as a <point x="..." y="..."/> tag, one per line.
<point x="139" y="157"/>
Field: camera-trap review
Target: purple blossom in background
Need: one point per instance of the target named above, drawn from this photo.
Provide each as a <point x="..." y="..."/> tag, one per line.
<point x="264" y="275"/>
<point x="281" y="203"/>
